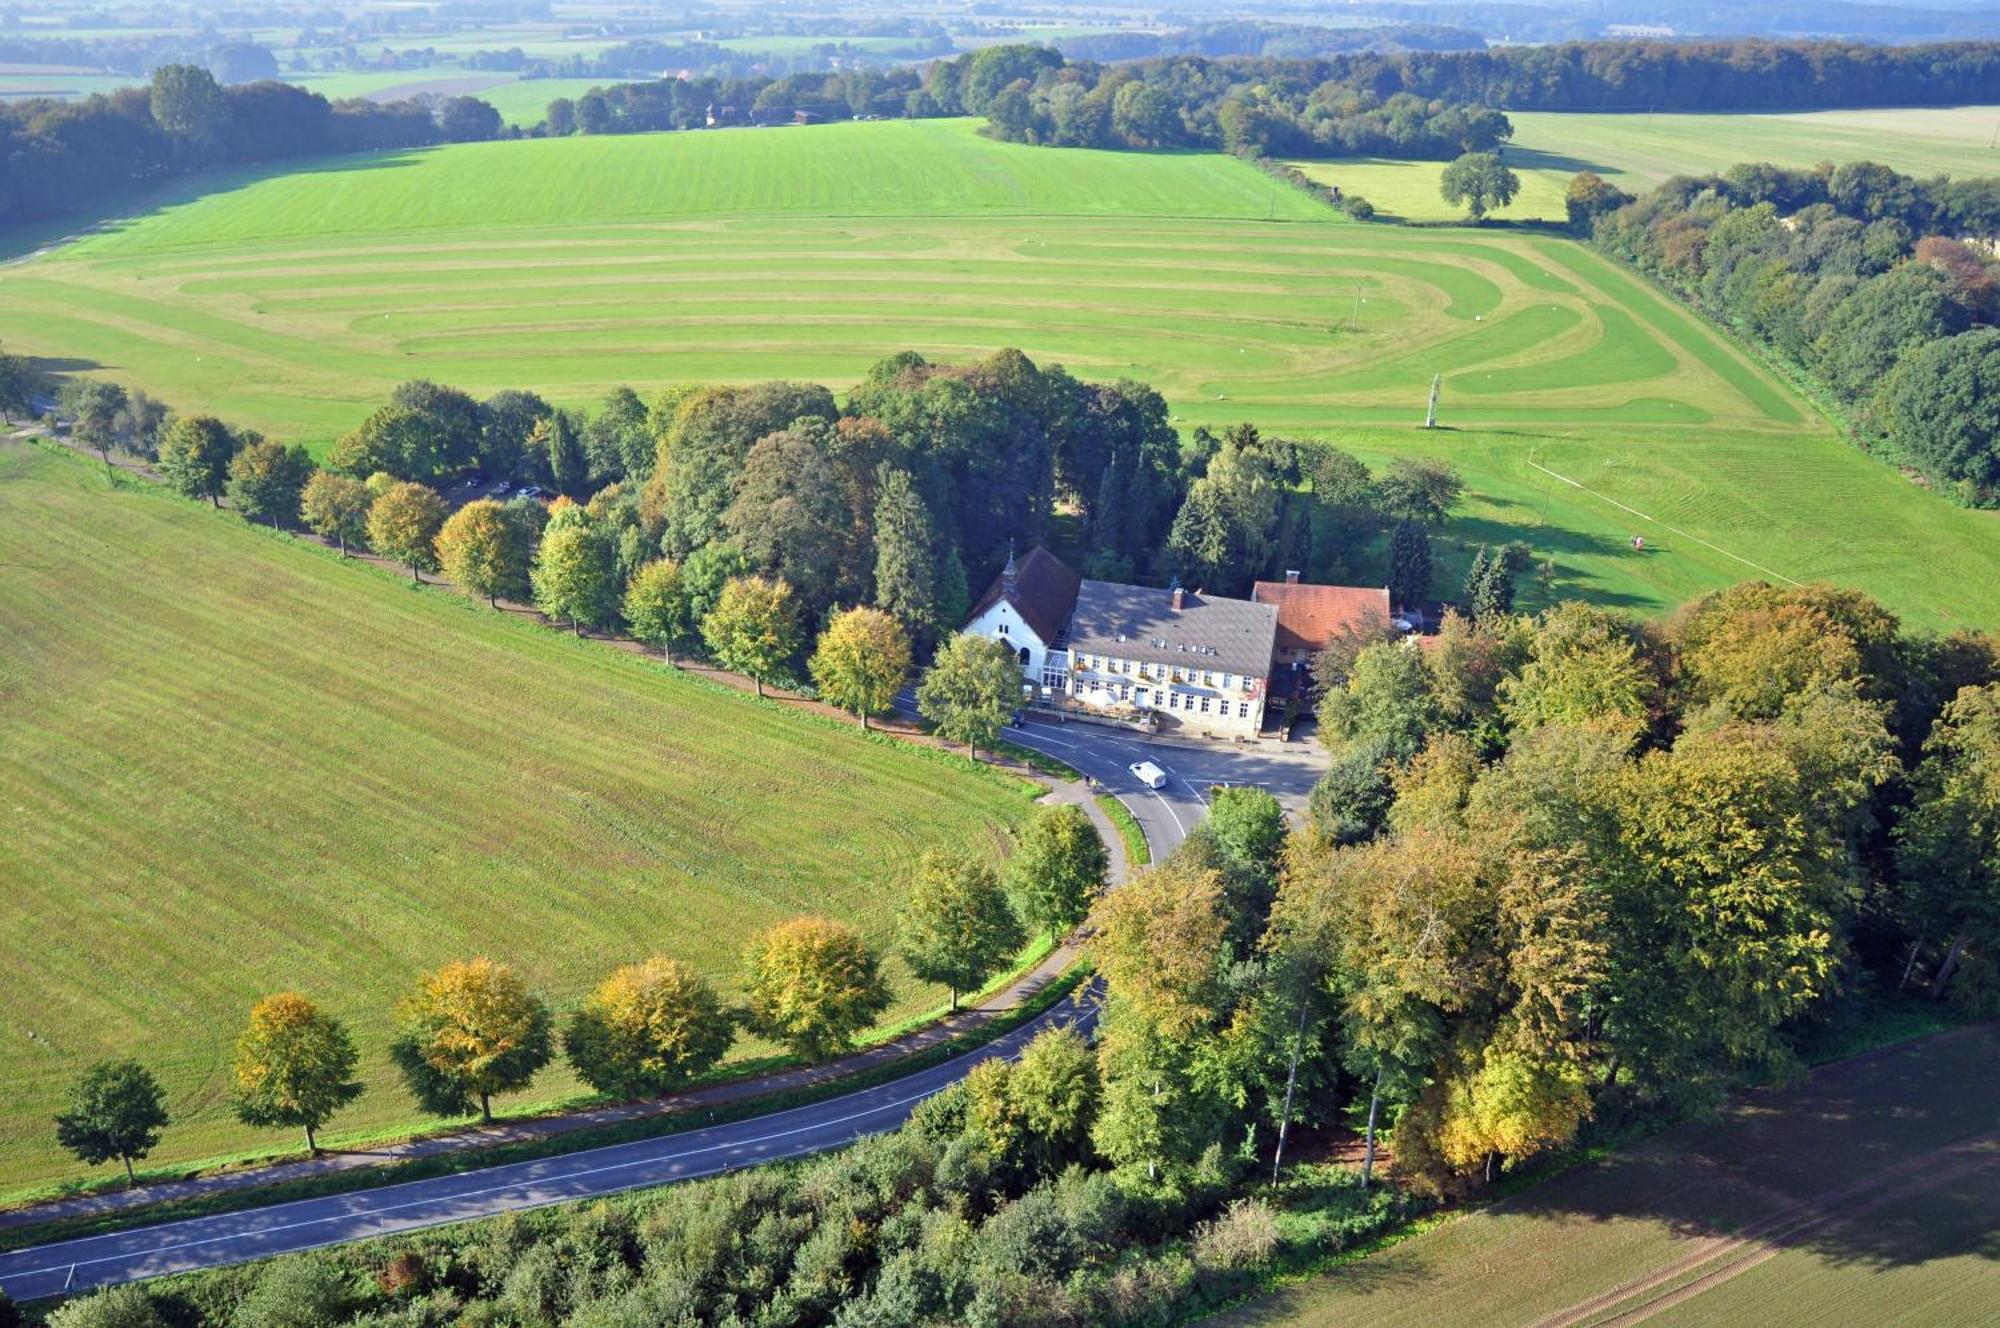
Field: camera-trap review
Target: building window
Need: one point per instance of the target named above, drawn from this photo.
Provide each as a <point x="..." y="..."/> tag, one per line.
<point x="1024" y="657"/>
<point x="1243" y="710"/>
<point x="1204" y="705"/>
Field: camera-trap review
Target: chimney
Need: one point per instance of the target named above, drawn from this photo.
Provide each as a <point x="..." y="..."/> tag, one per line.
<point x="1178" y="595"/>
<point x="1291" y="576"/>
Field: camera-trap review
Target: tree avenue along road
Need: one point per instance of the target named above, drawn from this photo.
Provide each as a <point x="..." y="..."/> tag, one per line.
<point x="207" y="1242"/>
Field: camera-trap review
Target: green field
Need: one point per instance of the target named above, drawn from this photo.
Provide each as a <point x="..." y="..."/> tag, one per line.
<point x="1637" y="151"/>
<point x="295" y="302"/>
<point x="1867" y="1195"/>
<point x="231" y="765"/>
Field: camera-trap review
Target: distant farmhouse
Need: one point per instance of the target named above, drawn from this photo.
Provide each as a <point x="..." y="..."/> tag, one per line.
<point x="1187" y="660"/>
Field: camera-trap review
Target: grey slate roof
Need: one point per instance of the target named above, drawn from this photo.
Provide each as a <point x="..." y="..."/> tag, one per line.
<point x="1140" y="623"/>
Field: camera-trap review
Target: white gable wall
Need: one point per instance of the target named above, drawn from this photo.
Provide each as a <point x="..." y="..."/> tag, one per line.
<point x="1003" y="622"/>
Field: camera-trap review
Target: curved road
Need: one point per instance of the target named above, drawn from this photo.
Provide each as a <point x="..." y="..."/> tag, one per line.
<point x="256" y="1233"/>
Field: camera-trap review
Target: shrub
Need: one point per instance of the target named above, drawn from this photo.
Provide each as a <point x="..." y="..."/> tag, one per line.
<point x="126" y="1306"/>
<point x="303" y="1292"/>
<point x="1244" y="1236"/>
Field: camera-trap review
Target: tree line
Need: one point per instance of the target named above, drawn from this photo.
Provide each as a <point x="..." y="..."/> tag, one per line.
<point x="474" y="1029"/>
<point x="1882" y="288"/>
<point x="59" y="157"/>
<point x="746" y="522"/>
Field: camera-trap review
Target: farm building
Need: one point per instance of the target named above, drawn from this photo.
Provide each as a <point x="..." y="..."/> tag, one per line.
<point x="1311" y="618"/>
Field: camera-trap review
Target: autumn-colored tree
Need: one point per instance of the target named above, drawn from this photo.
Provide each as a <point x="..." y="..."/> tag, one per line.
<point x="267" y="479"/>
<point x="1585" y="665"/>
<point x="1057" y="872"/>
<point x="754" y="629"/>
<point x="484" y="552"/>
<point x="861" y="662"/>
<point x="812" y="984"/>
<point x="294" y="1066"/>
<point x="468" y="1031"/>
<point x="116" y="1112"/>
<point x="956" y="928"/>
<point x="648" y="1029"/>
<point x="335" y="507"/>
<point x="1035" y="1113"/>
<point x="659" y="607"/>
<point x="1752" y="647"/>
<point x="970" y="690"/>
<point x="1158" y="940"/>
<point x="403" y="524"/>
<point x="194" y="457"/>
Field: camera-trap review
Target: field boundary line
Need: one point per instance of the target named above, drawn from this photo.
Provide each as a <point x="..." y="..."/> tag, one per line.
<point x="1647" y="516"/>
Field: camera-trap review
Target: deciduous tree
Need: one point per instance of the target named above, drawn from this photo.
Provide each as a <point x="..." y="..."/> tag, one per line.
<point x="403" y="524"/>
<point x="754" y="629"/>
<point x="861" y="662"/>
<point x="812" y="984"/>
<point x="194" y="457"/>
<point x="970" y="690"/>
<point x="268" y="479"/>
<point x="647" y="1030"/>
<point x="116" y="1111"/>
<point x="1057" y="872"/>
<point x="93" y="406"/>
<point x="483" y="552"/>
<point x="294" y="1066"/>
<point x="659" y="606"/>
<point x="468" y="1031"/>
<point x="1479" y="180"/>
<point x="336" y="507"/>
<point x="957" y="928"/>
<point x="576" y="575"/>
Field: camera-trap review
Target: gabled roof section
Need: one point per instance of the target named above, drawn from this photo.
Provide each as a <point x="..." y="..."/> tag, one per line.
<point x="1205" y="631"/>
<point x="1040" y="586"/>
<point x="1311" y="617"/>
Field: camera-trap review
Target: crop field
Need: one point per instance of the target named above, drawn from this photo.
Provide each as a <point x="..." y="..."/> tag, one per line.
<point x="1584" y="406"/>
<point x="232" y="765"/>
<point x="1637" y="151"/>
<point x="1868" y="1194"/>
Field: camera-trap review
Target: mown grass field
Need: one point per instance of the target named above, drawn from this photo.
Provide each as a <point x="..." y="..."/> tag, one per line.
<point x="231" y="765"/>
<point x="296" y="302"/>
<point x="1637" y="151"/>
<point x="1866" y="1195"/>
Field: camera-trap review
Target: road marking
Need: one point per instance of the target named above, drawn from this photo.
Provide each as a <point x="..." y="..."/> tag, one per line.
<point x="1171" y="812"/>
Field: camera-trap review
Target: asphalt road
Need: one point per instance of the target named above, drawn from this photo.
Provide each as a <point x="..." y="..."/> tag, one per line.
<point x="256" y="1233"/>
<point x="205" y="1242"/>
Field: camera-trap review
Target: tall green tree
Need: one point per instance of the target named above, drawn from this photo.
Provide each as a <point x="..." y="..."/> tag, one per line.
<point x="1058" y="871"/>
<point x="294" y="1066"/>
<point x="659" y="606"/>
<point x="1409" y="577"/>
<point x="403" y="523"/>
<point x="1948" y="848"/>
<point x="970" y="691"/>
<point x="754" y="629"/>
<point x="93" y="407"/>
<point x="195" y="453"/>
<point x="1480" y="181"/>
<point x="575" y="576"/>
<point x="569" y="465"/>
<point x="336" y="507"/>
<point x="190" y="109"/>
<point x="268" y="479"/>
<point x="861" y="661"/>
<point x="468" y="1031"/>
<point x="957" y="929"/>
<point x="116" y="1112"/>
<point x="812" y="984"/>
<point x="908" y="579"/>
<point x="19" y="382"/>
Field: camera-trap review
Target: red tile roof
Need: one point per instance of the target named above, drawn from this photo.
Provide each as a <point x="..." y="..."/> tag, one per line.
<point x="1044" y="593"/>
<point x="1310" y="617"/>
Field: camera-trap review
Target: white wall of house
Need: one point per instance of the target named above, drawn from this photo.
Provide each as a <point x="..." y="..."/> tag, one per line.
<point x="1002" y="623"/>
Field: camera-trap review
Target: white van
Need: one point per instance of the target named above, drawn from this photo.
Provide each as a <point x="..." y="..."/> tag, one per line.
<point x="1149" y="774"/>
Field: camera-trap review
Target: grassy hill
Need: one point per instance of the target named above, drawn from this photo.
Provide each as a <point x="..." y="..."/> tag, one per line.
<point x="1637" y="150"/>
<point x="295" y="302"/>
<point x="231" y="765"/>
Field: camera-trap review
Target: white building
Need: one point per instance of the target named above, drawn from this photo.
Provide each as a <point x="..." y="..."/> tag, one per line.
<point x="1028" y="606"/>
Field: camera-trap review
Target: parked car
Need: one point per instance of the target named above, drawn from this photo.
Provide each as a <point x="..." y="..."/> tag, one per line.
<point x="501" y="487"/>
<point x="531" y="491"/>
<point x="1149" y="774"/>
